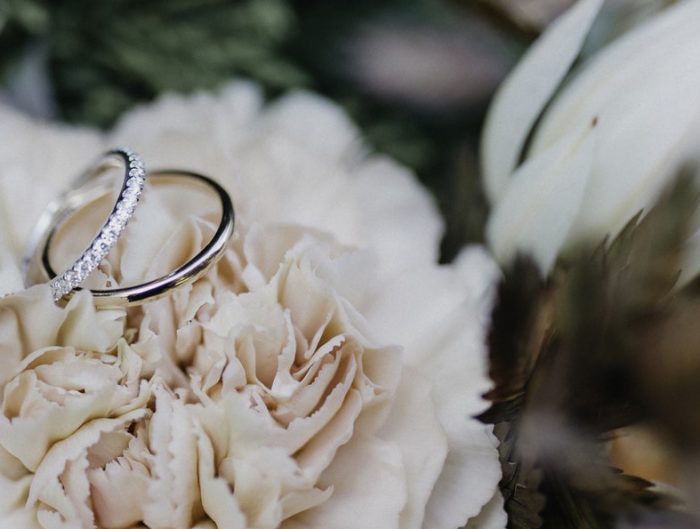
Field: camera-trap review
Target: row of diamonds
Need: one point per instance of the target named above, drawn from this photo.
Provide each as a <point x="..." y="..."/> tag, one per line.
<point x="110" y="232"/>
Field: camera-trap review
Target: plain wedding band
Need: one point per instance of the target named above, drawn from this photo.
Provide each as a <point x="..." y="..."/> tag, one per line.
<point x="160" y="287"/>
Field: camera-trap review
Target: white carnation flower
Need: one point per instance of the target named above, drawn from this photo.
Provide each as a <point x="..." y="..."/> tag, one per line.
<point x="324" y="374"/>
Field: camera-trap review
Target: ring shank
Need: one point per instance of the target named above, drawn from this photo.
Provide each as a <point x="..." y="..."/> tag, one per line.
<point x="190" y="271"/>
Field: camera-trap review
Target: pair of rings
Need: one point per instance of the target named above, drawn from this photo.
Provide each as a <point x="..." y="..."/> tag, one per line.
<point x="96" y="184"/>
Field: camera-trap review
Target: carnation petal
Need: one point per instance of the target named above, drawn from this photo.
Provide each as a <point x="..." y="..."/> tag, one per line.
<point x="173" y="490"/>
<point x="413" y="425"/>
<point x="492" y="516"/>
<point x="258" y="155"/>
<point x="10" y="274"/>
<point x="47" y="487"/>
<point x="369" y="489"/>
<point x="30" y="320"/>
<point x="319" y="452"/>
<point x="393" y="204"/>
<point x="310" y="120"/>
<point x="117" y="493"/>
<point x="57" y="390"/>
<point x="450" y="307"/>
<point x="217" y="500"/>
<point x="28" y="182"/>
<point x="13" y="494"/>
<point x="270" y="384"/>
<point x="196" y="132"/>
<point x="24" y="518"/>
<point x="459" y="379"/>
<point x="471" y="465"/>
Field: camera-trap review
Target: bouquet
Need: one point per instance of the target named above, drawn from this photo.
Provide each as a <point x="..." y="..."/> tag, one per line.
<point x="333" y="366"/>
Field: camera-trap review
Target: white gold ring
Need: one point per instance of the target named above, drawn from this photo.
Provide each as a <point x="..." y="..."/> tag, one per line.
<point x="126" y="296"/>
<point x="132" y="186"/>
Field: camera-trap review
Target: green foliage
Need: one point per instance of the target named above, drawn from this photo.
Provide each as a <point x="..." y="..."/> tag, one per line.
<point x="104" y="56"/>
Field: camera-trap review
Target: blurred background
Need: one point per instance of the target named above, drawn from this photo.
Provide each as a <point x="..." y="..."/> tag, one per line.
<point x="416" y="75"/>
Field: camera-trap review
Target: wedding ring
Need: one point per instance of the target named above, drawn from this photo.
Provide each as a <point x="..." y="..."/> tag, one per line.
<point x="134" y="175"/>
<point x="155" y="289"/>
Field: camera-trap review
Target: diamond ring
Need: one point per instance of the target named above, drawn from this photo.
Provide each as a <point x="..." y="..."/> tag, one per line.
<point x="132" y="183"/>
<point x="138" y="294"/>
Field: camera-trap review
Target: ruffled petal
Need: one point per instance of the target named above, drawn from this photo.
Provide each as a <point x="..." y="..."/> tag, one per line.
<point x="173" y="491"/>
<point x="258" y="154"/>
<point x="247" y="398"/>
<point x="492" y="516"/>
<point x="30" y="320"/>
<point x="414" y="427"/>
<point x="445" y="338"/>
<point x="60" y="486"/>
<point x="370" y="495"/>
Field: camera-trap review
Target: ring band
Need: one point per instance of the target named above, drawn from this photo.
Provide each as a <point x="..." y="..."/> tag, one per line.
<point x="190" y="271"/>
<point x="127" y="200"/>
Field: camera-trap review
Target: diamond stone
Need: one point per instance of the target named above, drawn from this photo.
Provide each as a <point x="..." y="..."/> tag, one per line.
<point x="78" y="274"/>
<point x="101" y="247"/>
<point x="107" y="239"/>
<point x="110" y="232"/>
<point x="62" y="287"/>
<point x="85" y="266"/>
<point x="134" y="181"/>
<point x="122" y="216"/>
<point x="132" y="192"/>
<point x="127" y="206"/>
<point x="115" y="226"/>
<point x="71" y="277"/>
<point x="93" y="258"/>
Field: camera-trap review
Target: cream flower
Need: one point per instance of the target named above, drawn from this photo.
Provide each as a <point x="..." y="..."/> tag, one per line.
<point x="611" y="139"/>
<point x="58" y="389"/>
<point x="324" y="374"/>
<point x="44" y="399"/>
